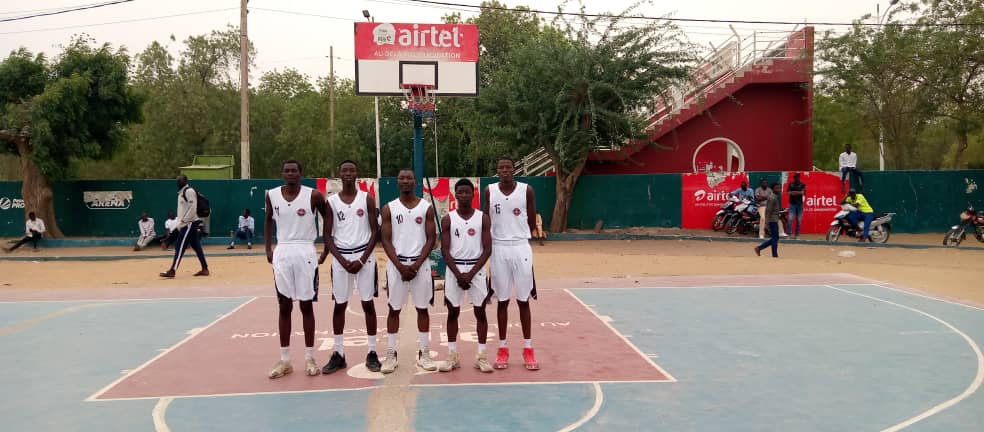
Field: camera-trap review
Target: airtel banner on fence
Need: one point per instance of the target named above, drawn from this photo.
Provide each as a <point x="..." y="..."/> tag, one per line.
<point x="703" y="195"/>
<point x="820" y="202"/>
<point x="444" y="42"/>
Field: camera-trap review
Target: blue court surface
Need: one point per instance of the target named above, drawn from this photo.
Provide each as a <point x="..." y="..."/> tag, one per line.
<point x="797" y="357"/>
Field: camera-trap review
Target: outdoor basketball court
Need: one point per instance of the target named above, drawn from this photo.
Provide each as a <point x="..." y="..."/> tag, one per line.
<point x="817" y="352"/>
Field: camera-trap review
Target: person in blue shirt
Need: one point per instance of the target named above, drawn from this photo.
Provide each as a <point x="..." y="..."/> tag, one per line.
<point x="744" y="192"/>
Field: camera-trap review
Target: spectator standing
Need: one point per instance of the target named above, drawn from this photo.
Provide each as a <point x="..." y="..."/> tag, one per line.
<point x="796" y="191"/>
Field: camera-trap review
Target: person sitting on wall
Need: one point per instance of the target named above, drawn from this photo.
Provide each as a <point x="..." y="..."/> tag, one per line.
<point x="147" y="234"/>
<point x="848" y="162"/>
<point x="34" y="232"/>
<point x="170" y="230"/>
<point x="244" y="231"/>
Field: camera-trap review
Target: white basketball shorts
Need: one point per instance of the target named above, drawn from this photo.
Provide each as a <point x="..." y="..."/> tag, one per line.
<point x="420" y="289"/>
<point x="478" y="290"/>
<point x="295" y="271"/>
<point x="344" y="283"/>
<point x="511" y="271"/>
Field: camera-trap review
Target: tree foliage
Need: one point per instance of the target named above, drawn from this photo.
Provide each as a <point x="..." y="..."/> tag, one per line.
<point x="56" y="113"/>
<point x="922" y="85"/>
<point x="580" y="85"/>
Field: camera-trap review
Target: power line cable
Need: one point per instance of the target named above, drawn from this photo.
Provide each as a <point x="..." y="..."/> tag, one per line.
<point x="119" y="22"/>
<point x="59" y="12"/>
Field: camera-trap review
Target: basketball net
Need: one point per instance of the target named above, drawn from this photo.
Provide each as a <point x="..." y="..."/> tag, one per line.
<point x="421" y="98"/>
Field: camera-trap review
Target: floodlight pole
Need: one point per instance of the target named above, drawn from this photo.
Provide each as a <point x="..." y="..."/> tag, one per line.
<point x="418" y="152"/>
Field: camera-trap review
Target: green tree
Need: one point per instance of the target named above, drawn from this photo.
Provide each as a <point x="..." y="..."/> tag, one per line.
<point x="865" y="68"/>
<point x="53" y="113"/>
<point x="579" y="86"/>
<point x="949" y="59"/>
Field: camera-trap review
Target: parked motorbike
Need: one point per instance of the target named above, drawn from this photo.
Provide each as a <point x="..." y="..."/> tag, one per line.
<point x="743" y="210"/>
<point x="747" y="219"/>
<point x="970" y="219"/>
<point x="880" y="229"/>
<point x="727" y="212"/>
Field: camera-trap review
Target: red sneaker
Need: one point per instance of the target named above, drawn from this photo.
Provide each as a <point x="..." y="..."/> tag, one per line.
<point x="529" y="360"/>
<point x="502" y="358"/>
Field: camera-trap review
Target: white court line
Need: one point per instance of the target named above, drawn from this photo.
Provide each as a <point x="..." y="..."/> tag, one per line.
<point x="916" y="294"/>
<point x="115" y="300"/>
<point x="818" y="285"/>
<point x="512" y="383"/>
<point x="621" y="336"/>
<point x="374" y="387"/>
<point x="974" y="385"/>
<point x="160" y="422"/>
<point x="165" y="352"/>
<point x="599" y="399"/>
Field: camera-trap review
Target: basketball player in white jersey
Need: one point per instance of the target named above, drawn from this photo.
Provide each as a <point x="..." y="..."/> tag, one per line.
<point x="350" y="235"/>
<point x="294" y="210"/>
<point x="466" y="243"/>
<point x="409" y="234"/>
<point x="510" y="205"/>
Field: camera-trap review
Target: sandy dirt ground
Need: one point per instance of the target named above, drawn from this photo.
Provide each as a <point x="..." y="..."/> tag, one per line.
<point x="948" y="273"/>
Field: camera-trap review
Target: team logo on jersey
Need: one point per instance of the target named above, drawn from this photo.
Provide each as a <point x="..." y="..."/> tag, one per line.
<point x="360" y="213"/>
<point x="471" y="231"/>
<point x="516" y="211"/>
<point x="419" y="220"/>
<point x="301" y="212"/>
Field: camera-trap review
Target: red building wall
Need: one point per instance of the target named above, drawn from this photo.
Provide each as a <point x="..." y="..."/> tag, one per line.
<point x="769" y="122"/>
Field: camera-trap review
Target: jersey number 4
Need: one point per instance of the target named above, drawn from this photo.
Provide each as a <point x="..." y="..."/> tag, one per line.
<point x="456" y="233"/>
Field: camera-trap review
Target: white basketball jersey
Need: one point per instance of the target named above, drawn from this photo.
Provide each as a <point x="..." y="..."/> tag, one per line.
<point x="296" y="220"/>
<point x="409" y="228"/>
<point x="351" y="221"/>
<point x="508" y="213"/>
<point x="466" y="237"/>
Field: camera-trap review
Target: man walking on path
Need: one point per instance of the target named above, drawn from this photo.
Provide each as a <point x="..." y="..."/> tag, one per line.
<point x="772" y="215"/>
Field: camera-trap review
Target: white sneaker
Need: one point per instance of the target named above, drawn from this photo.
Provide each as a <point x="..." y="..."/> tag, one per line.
<point x="761" y="237"/>
<point x="451" y="363"/>
<point x="311" y="367"/>
<point x="482" y="363"/>
<point x="783" y="235"/>
<point x="280" y="369"/>
<point x="389" y="363"/>
<point x="424" y="360"/>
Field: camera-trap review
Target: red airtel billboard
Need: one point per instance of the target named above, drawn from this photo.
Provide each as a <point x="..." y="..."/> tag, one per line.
<point x="444" y="42"/>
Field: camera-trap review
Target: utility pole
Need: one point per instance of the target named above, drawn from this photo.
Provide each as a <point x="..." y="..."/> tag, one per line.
<point x="331" y="108"/>
<point x="243" y="92"/>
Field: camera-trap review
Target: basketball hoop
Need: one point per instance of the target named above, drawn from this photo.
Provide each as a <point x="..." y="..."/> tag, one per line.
<point x="421" y="98"/>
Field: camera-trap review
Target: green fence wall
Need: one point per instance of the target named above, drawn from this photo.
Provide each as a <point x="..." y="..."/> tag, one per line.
<point x="926" y="201"/>
<point x="77" y="218"/>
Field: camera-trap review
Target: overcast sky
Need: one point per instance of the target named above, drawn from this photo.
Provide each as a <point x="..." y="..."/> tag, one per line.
<point x="298" y="33"/>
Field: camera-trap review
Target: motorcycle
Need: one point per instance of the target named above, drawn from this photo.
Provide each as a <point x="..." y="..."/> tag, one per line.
<point x="970" y="218"/>
<point x="727" y="212"/>
<point x="747" y="221"/>
<point x="743" y="211"/>
<point x="880" y="229"/>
